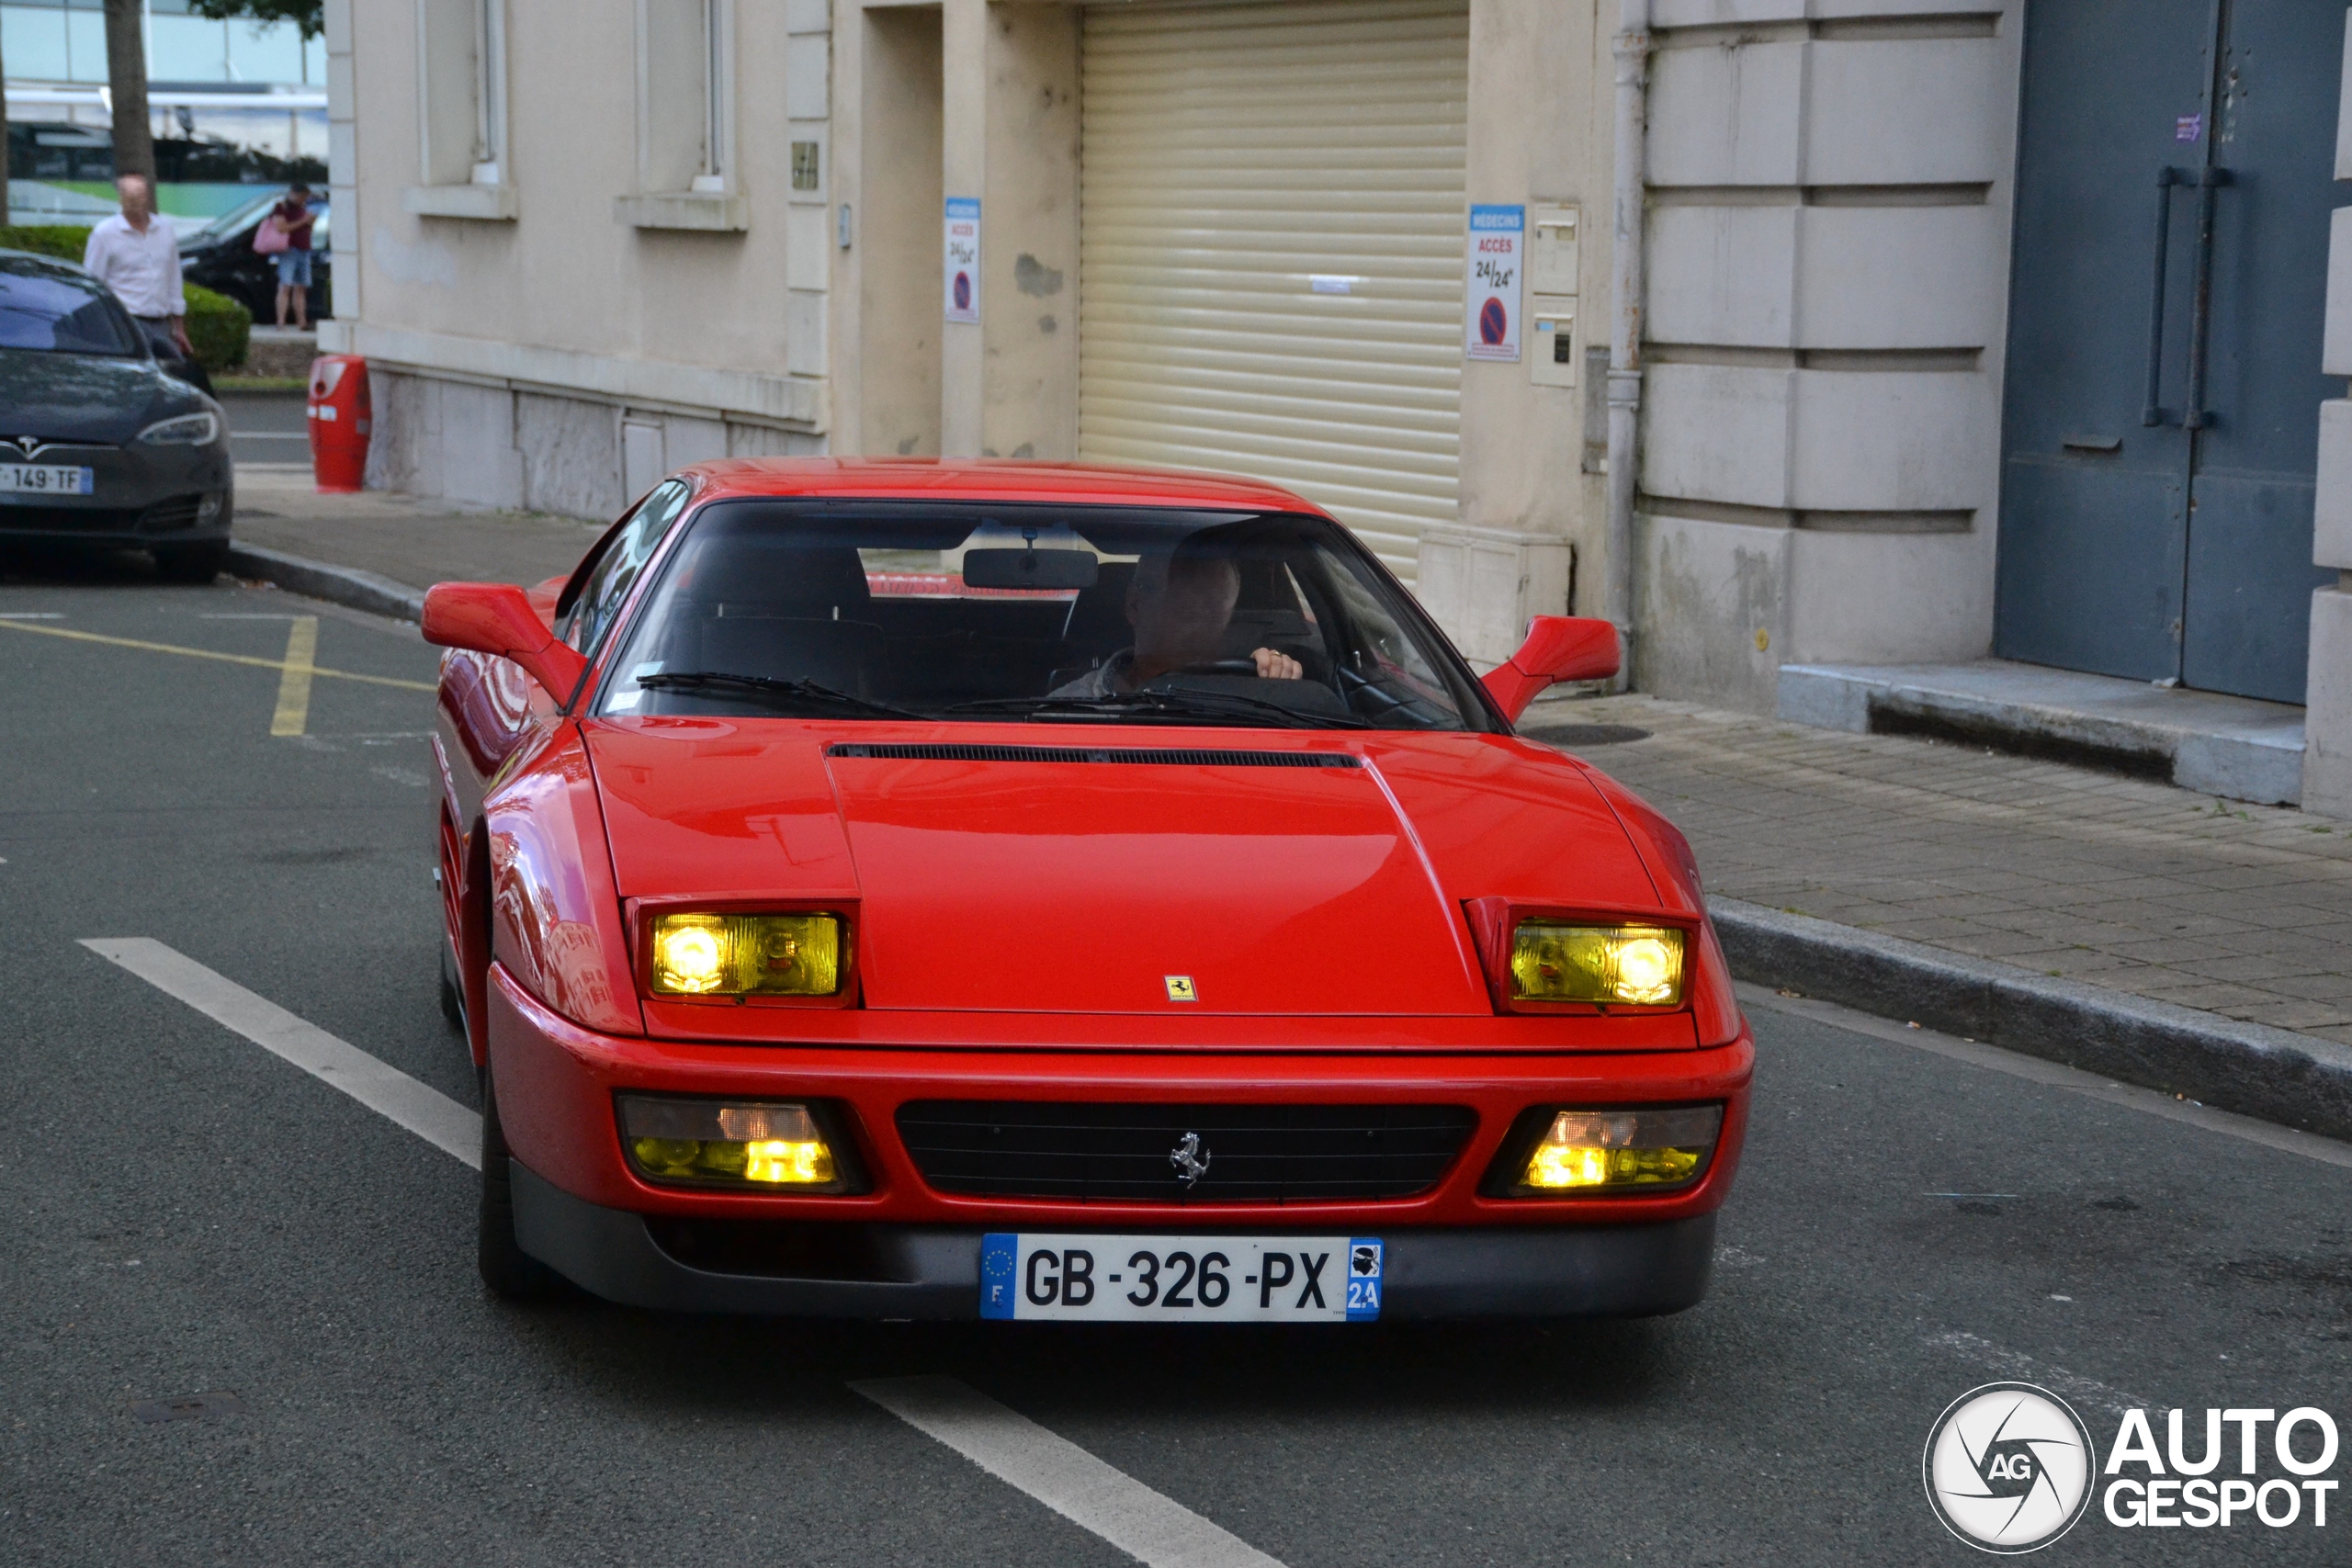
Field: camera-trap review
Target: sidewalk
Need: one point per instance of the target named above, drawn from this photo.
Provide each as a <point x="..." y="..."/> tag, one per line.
<point x="2243" y="911"/>
<point x="411" y="542"/>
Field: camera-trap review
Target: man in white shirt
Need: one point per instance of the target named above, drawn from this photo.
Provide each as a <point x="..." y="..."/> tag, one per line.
<point x="137" y="256"/>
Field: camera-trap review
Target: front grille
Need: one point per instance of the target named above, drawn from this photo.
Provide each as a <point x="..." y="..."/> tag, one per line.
<point x="68" y="519"/>
<point x="960" y="751"/>
<point x="1254" y="1153"/>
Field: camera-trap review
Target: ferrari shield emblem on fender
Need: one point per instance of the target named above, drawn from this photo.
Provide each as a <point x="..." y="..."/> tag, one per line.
<point x="1180" y="989"/>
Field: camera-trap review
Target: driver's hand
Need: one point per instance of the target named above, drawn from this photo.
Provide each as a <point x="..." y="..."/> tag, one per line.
<point x="1273" y="666"/>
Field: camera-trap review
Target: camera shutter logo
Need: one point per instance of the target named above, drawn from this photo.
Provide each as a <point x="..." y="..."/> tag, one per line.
<point x="2008" y="1468"/>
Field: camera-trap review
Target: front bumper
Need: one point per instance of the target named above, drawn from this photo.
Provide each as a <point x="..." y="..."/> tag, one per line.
<point x="905" y="1249"/>
<point x="146" y="496"/>
<point x="932" y="1272"/>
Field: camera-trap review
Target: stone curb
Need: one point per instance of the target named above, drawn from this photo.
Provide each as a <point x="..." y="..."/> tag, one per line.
<point x="2297" y="1080"/>
<point x="348" y="585"/>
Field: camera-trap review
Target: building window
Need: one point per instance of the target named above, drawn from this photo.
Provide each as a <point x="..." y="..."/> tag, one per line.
<point x="686" y="72"/>
<point x="461" y="60"/>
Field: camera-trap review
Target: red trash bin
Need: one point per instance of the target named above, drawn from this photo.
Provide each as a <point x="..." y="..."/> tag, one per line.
<point x="339" y="417"/>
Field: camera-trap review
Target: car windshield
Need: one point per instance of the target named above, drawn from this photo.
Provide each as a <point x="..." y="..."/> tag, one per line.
<point x="1051" y="614"/>
<point x="59" y="312"/>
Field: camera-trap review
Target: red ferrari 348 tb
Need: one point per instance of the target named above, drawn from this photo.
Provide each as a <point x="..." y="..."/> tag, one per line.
<point x="932" y="890"/>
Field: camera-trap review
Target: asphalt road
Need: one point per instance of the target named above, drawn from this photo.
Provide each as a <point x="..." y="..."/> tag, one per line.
<point x="267" y="427"/>
<point x="186" y="1214"/>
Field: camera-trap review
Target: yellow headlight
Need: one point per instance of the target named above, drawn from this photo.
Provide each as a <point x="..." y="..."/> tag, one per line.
<point x="1589" y="1149"/>
<point x="695" y="1140"/>
<point x="773" y="955"/>
<point x="1553" y="962"/>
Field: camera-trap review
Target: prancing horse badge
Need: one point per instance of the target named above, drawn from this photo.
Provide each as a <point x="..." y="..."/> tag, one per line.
<point x="1180" y="989"/>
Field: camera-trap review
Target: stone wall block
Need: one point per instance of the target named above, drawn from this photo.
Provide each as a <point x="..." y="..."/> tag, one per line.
<point x="1706" y="590"/>
<point x="1909" y="277"/>
<point x="1727" y="114"/>
<point x="2335" y="345"/>
<point x="1912" y="111"/>
<point x="2331" y="516"/>
<point x="1715" y="13"/>
<point x="1724" y="276"/>
<point x="1887" y="598"/>
<point x="570" y="450"/>
<point x="1717" y="433"/>
<point x="2327" y="718"/>
<point x="1889" y="441"/>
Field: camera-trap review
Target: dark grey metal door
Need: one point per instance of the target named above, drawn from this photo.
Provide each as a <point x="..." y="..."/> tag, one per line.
<point x="2161" y="423"/>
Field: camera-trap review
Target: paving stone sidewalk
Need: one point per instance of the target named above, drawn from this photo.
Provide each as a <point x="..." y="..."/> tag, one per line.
<point x="410" y="541"/>
<point x="2243" y="911"/>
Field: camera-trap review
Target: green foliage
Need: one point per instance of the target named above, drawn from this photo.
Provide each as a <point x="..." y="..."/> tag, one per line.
<point x="303" y="14"/>
<point x="61" y="240"/>
<point x="219" y="328"/>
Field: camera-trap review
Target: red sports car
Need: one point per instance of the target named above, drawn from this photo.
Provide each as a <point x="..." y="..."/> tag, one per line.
<point x="939" y="889"/>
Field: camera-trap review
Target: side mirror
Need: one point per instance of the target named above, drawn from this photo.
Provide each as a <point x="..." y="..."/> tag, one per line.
<point x="1558" y="648"/>
<point x="497" y="617"/>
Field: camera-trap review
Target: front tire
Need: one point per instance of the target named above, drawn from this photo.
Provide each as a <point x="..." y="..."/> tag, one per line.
<point x="506" y="1268"/>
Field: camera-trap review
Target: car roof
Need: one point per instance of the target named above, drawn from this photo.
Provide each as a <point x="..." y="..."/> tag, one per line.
<point x="988" y="480"/>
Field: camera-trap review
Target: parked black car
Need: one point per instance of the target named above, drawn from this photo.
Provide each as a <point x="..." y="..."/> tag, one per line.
<point x="220" y="256"/>
<point x="99" y="443"/>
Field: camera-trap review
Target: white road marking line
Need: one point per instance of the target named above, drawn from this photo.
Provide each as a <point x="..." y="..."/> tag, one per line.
<point x="30" y="616"/>
<point x="1142" y="1523"/>
<point x="2033" y="1069"/>
<point x="2018" y="1367"/>
<point x="426" y="1112"/>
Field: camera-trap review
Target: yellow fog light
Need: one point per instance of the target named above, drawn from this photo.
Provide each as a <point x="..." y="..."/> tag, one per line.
<point x="709" y="1140"/>
<point x="1585" y="1150"/>
<point x="1553" y="962"/>
<point x="738" y="955"/>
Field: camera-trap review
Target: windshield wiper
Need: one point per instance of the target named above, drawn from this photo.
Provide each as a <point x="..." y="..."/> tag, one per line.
<point x="769" y="689"/>
<point x="1230" y="706"/>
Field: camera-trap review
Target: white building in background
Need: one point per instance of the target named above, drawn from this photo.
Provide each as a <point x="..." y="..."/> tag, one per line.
<point x="1906" y="391"/>
<point x="253" y="85"/>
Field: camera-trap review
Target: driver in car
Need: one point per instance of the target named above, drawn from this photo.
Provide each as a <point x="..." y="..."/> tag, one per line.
<point x="1180" y="607"/>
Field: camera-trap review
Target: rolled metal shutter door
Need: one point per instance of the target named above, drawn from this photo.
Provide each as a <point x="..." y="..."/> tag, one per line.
<point x="1269" y="265"/>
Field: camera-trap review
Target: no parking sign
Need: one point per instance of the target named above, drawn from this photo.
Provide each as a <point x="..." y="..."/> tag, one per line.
<point x="1492" y="293"/>
<point x="961" y="275"/>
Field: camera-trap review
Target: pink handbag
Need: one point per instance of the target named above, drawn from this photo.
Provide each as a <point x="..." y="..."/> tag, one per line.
<point x="271" y="237"/>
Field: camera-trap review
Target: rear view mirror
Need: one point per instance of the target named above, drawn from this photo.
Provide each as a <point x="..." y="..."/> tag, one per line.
<point x="497" y="618"/>
<point x="1558" y="648"/>
<point x="1029" y="569"/>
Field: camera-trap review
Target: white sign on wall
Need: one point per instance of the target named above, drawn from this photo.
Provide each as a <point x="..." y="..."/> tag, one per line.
<point x="1498" y="251"/>
<point x="960" y="278"/>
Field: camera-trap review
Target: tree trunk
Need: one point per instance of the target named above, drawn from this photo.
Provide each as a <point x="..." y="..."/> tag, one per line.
<point x="4" y="159"/>
<point x="134" y="138"/>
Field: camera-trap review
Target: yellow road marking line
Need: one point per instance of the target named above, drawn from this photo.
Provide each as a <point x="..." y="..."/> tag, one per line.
<point x="293" y="715"/>
<point x="224" y="657"/>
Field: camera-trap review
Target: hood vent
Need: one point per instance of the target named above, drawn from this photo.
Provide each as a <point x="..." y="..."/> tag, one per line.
<point x="1171" y="757"/>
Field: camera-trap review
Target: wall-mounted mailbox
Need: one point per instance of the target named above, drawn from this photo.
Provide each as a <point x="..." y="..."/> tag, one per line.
<point x="1552" y="288"/>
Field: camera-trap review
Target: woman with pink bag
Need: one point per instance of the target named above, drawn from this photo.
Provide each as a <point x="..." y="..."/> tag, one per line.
<point x="285" y="236"/>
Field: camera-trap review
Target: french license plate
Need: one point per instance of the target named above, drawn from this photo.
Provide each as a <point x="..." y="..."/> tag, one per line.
<point x="1182" y="1279"/>
<point x="46" y="479"/>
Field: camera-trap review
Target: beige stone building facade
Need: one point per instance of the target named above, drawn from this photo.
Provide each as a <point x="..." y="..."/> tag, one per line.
<point x="596" y="243"/>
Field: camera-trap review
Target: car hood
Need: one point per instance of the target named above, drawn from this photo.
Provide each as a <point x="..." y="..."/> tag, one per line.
<point x="985" y="876"/>
<point x="85" y="397"/>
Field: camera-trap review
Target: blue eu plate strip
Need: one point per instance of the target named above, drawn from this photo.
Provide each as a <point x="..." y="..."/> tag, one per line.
<point x="1364" y="1259"/>
<point x="999" y="1261"/>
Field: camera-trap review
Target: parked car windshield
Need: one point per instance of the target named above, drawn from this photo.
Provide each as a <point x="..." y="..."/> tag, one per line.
<point x="44" y="308"/>
<point x="1066" y="614"/>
